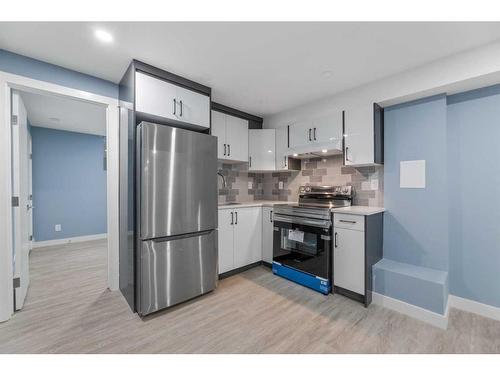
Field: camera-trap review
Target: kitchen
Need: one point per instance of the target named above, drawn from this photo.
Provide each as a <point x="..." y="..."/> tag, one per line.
<point x="260" y="219"/>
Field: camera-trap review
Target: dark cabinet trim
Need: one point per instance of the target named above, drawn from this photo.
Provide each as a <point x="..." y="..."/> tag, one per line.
<point x="254" y="122"/>
<point x="173" y="78"/>
<point x="378" y="133"/>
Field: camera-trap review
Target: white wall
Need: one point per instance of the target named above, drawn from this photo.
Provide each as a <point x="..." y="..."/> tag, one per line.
<point x="464" y="71"/>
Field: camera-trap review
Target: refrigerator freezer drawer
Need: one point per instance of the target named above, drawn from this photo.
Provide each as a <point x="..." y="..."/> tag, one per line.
<point x="178" y="188"/>
<point x="176" y="270"/>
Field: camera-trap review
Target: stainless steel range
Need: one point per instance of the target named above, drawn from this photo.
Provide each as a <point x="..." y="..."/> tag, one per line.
<point x="303" y="235"/>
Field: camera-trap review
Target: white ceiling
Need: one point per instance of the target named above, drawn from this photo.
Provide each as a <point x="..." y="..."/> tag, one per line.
<point x="56" y="112"/>
<point x="261" y="68"/>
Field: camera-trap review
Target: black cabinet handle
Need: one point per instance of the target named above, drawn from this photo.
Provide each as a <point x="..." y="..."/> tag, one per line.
<point x="271" y="216"/>
<point x="180" y="102"/>
<point x="224" y="149"/>
<point x="346" y="151"/>
<point x="236" y="221"/>
<point x="309" y="135"/>
<point x="250" y="161"/>
<point x="175" y="105"/>
<point x="347" y="221"/>
<point x="286" y="160"/>
<point x="232" y="218"/>
<point x="335" y="240"/>
<point x="314" y="132"/>
<point x="228" y="150"/>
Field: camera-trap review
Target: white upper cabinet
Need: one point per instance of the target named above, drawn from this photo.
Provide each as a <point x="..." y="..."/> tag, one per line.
<point x="327" y="130"/>
<point x="219" y="131"/>
<point x="283" y="160"/>
<point x="261" y="150"/>
<point x="317" y="134"/>
<point x="363" y="132"/>
<point x="300" y="134"/>
<point x="237" y="138"/>
<point x="194" y="108"/>
<point x="157" y="97"/>
<point x="232" y="136"/>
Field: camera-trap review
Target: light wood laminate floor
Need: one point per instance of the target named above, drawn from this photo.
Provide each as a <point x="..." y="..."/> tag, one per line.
<point x="69" y="310"/>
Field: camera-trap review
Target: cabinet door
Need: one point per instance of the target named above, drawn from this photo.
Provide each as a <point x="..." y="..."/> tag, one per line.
<point x="349" y="260"/>
<point x="225" y="242"/>
<point x="247" y="236"/>
<point x="282" y="148"/>
<point x="327" y="130"/>
<point x="193" y="108"/>
<point x="219" y="131"/>
<point x="155" y="96"/>
<point x="267" y="234"/>
<point x="359" y="135"/>
<point x="237" y="138"/>
<point x="300" y="134"/>
<point x="261" y="149"/>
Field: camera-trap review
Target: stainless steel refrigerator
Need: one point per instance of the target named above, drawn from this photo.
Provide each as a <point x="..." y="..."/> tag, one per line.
<point x="176" y="216"/>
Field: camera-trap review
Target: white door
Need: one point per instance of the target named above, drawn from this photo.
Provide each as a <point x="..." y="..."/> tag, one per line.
<point x="21" y="190"/>
<point x="300" y="134"/>
<point x="156" y="97"/>
<point x="194" y="108"/>
<point x="267" y="234"/>
<point x="359" y="142"/>
<point x="247" y="236"/>
<point x="225" y="234"/>
<point x="327" y="130"/>
<point x="237" y="138"/>
<point x="261" y="149"/>
<point x="349" y="260"/>
<point x="219" y="131"/>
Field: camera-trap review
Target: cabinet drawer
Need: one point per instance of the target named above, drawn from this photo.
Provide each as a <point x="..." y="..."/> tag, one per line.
<point x="347" y="221"/>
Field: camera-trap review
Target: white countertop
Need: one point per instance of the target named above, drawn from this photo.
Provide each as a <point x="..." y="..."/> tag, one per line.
<point x="359" y="210"/>
<point x="260" y="203"/>
<point x="353" y="210"/>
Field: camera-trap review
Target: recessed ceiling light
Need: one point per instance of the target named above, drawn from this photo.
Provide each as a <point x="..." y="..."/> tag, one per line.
<point x="324" y="151"/>
<point x="103" y="36"/>
<point x="327" y="74"/>
<point x="295" y="154"/>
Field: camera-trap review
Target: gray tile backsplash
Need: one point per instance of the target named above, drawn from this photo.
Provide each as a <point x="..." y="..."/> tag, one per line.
<point x="315" y="171"/>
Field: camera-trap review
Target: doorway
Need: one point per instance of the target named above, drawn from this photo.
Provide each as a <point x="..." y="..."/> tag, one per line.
<point x="59" y="165"/>
<point x="10" y="83"/>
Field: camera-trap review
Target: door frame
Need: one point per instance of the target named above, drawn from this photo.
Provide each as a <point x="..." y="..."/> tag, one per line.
<point x="9" y="82"/>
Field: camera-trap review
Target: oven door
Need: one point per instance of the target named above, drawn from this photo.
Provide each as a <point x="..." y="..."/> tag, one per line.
<point x="303" y="244"/>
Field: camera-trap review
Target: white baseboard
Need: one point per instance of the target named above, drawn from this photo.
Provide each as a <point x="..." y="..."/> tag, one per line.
<point x="62" y="241"/>
<point x="427" y="316"/>
<point x="478" y="308"/>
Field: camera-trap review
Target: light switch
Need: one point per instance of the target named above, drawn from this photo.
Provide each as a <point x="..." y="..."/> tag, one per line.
<point x="58" y="227"/>
<point x="280" y="185"/>
<point x="374" y="184"/>
<point x="249" y="184"/>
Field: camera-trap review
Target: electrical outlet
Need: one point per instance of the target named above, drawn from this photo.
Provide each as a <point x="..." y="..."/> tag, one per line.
<point x="374" y="184"/>
<point x="249" y="184"/>
<point x="58" y="227"/>
<point x="280" y="185"/>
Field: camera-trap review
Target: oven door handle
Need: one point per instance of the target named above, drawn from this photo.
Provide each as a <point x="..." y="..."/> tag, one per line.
<point x="300" y="220"/>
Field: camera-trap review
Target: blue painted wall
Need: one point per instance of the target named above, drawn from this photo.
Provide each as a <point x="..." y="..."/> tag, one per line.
<point x="69" y="184"/>
<point x="36" y="69"/>
<point x="416" y="222"/>
<point x="474" y="211"/>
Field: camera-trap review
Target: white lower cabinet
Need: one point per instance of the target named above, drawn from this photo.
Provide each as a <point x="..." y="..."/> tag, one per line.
<point x="240" y="237"/>
<point x="267" y="234"/>
<point x="349" y="260"/>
